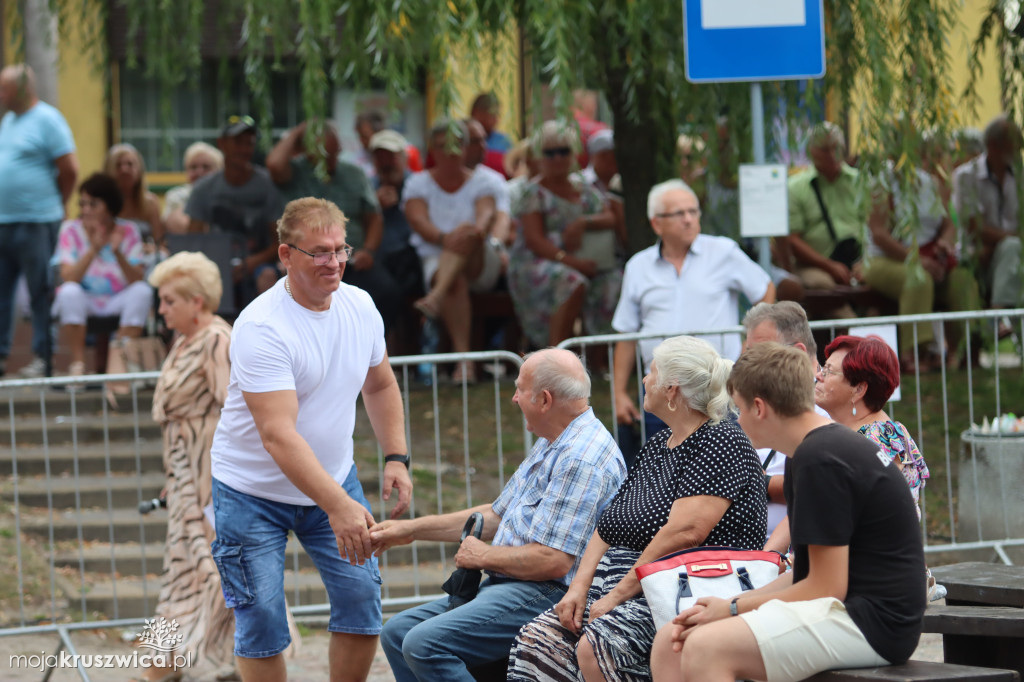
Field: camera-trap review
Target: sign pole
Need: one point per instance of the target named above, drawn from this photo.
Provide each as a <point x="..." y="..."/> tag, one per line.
<point x="764" y="250"/>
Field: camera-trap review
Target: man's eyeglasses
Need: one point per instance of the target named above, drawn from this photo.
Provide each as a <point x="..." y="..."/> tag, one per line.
<point x="323" y="258"/>
<point x="555" y="152"/>
<point x="684" y="213"/>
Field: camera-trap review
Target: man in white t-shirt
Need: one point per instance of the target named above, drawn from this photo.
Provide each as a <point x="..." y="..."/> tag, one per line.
<point x="301" y="354"/>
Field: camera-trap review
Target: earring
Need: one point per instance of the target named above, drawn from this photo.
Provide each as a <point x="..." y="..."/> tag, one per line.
<point x="671" y="406"/>
<point x="854" y="410"/>
<point x="195" y="320"/>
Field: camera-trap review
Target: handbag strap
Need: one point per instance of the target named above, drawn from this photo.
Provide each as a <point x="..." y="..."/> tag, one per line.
<point x="824" y="211"/>
<point x="768" y="459"/>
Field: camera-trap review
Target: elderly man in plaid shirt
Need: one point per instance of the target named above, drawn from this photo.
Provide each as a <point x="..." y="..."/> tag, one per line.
<point x="538" y="527"/>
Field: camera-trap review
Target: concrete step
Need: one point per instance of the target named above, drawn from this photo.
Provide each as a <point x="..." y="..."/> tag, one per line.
<point x="135" y="597"/>
<point x="97" y="525"/>
<point x="30" y="401"/>
<point x="91" y="458"/>
<point x="64" y="492"/>
<point x="86" y="428"/>
<point x="127" y="559"/>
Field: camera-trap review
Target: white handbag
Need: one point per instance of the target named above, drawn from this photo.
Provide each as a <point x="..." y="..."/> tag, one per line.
<point x="674" y="582"/>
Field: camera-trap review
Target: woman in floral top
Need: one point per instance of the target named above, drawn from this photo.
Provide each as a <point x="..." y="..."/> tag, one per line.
<point x="100" y="266"/>
<point x="554" y="276"/>
<point x="857" y="379"/>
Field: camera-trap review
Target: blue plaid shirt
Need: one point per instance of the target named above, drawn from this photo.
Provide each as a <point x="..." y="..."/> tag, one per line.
<point x="559" y="491"/>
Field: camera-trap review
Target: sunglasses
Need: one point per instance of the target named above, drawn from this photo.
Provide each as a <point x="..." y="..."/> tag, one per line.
<point x="555" y="152"/>
<point x="247" y="120"/>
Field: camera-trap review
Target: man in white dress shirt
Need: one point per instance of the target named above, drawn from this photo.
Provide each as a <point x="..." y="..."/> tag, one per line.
<point x="687" y="282"/>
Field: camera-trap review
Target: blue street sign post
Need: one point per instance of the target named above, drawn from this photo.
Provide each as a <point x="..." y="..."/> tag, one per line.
<point x="754" y="40"/>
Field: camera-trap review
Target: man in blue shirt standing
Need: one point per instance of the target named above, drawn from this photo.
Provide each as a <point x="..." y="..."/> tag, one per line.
<point x="39" y="170"/>
<point x="538" y="529"/>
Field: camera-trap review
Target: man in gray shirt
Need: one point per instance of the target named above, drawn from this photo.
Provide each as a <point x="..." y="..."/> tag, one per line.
<point x="241" y="200"/>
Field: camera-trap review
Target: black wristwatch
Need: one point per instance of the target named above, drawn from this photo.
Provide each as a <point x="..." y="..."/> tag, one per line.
<point x="404" y="459"/>
<point x="734" y="608"/>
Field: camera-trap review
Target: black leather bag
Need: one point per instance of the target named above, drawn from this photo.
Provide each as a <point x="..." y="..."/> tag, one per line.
<point x="463" y="584"/>
<point x="847" y="252"/>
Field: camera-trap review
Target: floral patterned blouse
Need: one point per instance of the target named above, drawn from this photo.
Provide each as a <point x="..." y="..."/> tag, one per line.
<point x="895" y="441"/>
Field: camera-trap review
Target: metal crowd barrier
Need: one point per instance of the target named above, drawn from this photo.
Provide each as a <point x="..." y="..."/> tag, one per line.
<point x="82" y="556"/>
<point x="76" y="471"/>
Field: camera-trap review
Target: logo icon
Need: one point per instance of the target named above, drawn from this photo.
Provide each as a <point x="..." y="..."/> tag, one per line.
<point x="160" y="634"/>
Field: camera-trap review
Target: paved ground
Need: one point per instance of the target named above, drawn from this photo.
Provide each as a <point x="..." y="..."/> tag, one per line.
<point x="309" y="666"/>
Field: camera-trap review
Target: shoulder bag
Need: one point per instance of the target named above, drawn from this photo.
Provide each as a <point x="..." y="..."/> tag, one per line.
<point x="676" y="581"/>
<point x="846" y="251"/>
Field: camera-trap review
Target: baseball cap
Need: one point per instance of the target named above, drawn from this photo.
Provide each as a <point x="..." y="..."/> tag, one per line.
<point x="601" y="141"/>
<point x="388" y="140"/>
<point x="236" y="125"/>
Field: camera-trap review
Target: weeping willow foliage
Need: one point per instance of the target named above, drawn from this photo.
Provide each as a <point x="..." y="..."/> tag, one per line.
<point x="886" y="60"/>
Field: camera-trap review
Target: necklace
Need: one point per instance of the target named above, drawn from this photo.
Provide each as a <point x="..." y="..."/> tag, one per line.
<point x="288" y="288"/>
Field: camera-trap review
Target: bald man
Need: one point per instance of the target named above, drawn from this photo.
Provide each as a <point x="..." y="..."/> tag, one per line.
<point x="538" y="529"/>
<point x="39" y="170"/>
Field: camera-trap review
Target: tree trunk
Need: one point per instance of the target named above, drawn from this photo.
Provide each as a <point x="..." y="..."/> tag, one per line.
<point x="41" y="47"/>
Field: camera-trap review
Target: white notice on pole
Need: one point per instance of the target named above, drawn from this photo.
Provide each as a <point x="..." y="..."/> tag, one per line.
<point x="764" y="205"/>
<point x="752" y="13"/>
<point x="887" y="332"/>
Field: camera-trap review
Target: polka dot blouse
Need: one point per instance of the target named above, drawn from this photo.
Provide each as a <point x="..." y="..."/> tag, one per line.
<point x="714" y="460"/>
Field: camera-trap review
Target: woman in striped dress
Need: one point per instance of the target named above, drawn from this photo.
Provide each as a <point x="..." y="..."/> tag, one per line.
<point x="189" y="395"/>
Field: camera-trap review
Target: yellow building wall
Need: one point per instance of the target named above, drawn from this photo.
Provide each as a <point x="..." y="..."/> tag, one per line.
<point x="989" y="102"/>
<point x="81" y="89"/>
<point x="496" y="70"/>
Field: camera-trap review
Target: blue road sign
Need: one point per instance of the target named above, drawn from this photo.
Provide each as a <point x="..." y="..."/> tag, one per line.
<point x="753" y="40"/>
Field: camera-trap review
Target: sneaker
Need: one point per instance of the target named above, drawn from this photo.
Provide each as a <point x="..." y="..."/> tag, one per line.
<point x="34" y="369"/>
<point x="76" y="369"/>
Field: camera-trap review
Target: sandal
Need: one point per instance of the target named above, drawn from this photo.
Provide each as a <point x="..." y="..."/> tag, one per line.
<point x="464" y="370"/>
<point x="427" y="308"/>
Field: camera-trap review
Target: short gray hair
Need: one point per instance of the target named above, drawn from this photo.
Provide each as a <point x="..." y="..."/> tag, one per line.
<point x="827" y="135"/>
<point x="654" y="197"/>
<point x="556" y="132"/>
<point x="790" y="321"/>
<point x="551" y="374"/>
<point x="698" y="370"/>
<point x="443" y="125"/>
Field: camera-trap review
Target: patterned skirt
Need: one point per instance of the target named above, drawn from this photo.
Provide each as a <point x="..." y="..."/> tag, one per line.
<point x="621" y="639"/>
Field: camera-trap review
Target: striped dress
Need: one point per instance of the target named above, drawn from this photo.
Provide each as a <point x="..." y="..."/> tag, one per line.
<point x="189" y="395"/>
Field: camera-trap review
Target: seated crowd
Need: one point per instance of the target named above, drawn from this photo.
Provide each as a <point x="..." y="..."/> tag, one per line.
<point x="564" y="539"/>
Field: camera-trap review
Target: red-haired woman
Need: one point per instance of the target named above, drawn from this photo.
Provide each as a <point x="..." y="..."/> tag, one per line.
<point x="857" y="379"/>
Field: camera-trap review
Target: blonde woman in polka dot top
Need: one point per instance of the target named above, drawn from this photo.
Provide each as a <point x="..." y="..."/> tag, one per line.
<point x="698" y="482"/>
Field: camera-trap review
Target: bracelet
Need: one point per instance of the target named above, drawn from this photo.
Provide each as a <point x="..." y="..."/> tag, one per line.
<point x="404" y="459"/>
<point x="560" y="255"/>
<point x="734" y="609"/>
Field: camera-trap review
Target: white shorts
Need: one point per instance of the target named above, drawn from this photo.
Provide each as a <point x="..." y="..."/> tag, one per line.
<point x="489" y="274"/>
<point x="799" y="639"/>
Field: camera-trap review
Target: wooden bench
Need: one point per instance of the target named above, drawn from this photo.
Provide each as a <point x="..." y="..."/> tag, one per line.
<point x="917" y="671"/>
<point x="979" y="635"/>
<point x="820" y="302"/>
<point x="490" y="309"/>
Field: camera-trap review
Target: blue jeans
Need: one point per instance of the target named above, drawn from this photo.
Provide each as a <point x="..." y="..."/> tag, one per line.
<point x="27" y="248"/>
<point x="250" y="555"/>
<point x="430" y="643"/>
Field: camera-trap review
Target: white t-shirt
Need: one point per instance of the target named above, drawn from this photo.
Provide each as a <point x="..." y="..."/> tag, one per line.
<point x="278" y="345"/>
<point x="925" y="201"/>
<point x="776" y="467"/>
<point x="448" y="210"/>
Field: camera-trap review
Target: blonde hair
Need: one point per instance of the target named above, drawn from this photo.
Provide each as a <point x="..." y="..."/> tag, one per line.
<point x="308" y="214"/>
<point x="782" y="376"/>
<point x="138" y="192"/>
<point x="698" y="370"/>
<point x="555" y="132"/>
<point x="190" y="273"/>
<point x="197" y="148"/>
